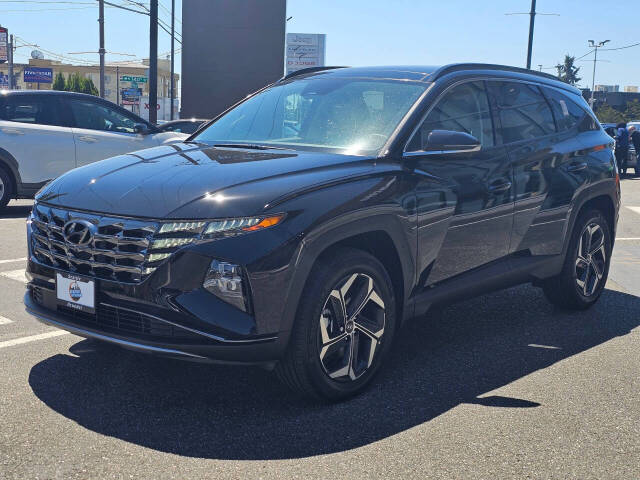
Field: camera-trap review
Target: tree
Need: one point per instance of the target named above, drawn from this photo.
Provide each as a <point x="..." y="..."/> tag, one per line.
<point x="567" y="72"/>
<point x="59" y="82"/>
<point x="632" y="112"/>
<point x="74" y="83"/>
<point x="89" y="88"/>
<point x="607" y="114"/>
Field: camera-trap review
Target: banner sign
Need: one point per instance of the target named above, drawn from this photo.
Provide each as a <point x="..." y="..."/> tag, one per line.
<point x="38" y="75"/>
<point x="130" y="96"/>
<point x="305" y="50"/>
<point x="4" y="45"/>
<point x="4" y="80"/>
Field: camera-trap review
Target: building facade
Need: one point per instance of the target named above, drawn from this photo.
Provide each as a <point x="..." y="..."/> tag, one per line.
<point x="119" y="76"/>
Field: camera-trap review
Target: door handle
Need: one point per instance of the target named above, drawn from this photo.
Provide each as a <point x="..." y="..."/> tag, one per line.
<point x="576" y="166"/>
<point x="12" y="131"/>
<point x="87" y="138"/>
<point x="499" y="186"/>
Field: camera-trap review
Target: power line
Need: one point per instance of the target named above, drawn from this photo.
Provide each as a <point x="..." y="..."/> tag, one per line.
<point x="621" y="48"/>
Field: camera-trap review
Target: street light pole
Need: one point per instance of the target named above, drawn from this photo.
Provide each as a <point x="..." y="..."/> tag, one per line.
<point x="172" y="84"/>
<point x="101" y="50"/>
<point x="532" y="19"/>
<point x="10" y="61"/>
<point x="153" y="61"/>
<point x="595" y="47"/>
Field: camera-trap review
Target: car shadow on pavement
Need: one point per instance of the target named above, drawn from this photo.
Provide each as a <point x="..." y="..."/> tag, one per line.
<point x="455" y="355"/>
<point x="16" y="211"/>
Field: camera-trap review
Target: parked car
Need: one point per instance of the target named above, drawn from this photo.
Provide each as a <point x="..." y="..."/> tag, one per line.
<point x="632" y="156"/>
<point x="46" y="133"/>
<point x="185" y="125"/>
<point x="401" y="188"/>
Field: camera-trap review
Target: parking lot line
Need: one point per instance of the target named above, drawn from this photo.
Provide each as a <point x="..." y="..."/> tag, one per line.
<point x="13" y="260"/>
<point x="32" y="338"/>
<point x="5" y="320"/>
<point x="634" y="209"/>
<point x="17" y="275"/>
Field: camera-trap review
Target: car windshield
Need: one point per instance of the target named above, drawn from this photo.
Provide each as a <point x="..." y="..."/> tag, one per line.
<point x="355" y="116"/>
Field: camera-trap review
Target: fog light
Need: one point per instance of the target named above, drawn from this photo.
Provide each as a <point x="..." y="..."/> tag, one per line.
<point x="225" y="281"/>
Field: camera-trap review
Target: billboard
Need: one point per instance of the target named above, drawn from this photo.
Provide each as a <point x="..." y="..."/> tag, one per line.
<point x="4" y="80"/>
<point x="4" y="45"/>
<point x="38" y="75"/>
<point x="130" y="96"/>
<point x="305" y="50"/>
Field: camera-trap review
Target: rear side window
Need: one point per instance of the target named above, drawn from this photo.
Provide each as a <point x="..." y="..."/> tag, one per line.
<point x="36" y="109"/>
<point x="524" y="113"/>
<point x="568" y="113"/>
<point x="464" y="108"/>
<point x="97" y="116"/>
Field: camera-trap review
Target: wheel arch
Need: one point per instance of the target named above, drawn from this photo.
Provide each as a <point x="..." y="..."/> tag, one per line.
<point x="10" y="165"/>
<point x="370" y="234"/>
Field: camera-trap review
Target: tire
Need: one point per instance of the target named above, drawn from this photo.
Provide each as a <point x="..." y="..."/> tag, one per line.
<point x="331" y="359"/>
<point x="584" y="274"/>
<point x="6" y="188"/>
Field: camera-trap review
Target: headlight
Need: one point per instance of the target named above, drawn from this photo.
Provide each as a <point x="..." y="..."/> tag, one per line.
<point x="235" y="226"/>
<point x="225" y="281"/>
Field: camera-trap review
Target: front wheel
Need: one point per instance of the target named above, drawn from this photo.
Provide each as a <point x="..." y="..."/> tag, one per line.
<point x="586" y="266"/>
<point x="344" y="327"/>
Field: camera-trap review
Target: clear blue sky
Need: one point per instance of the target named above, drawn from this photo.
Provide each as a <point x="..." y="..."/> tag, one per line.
<point x="375" y="32"/>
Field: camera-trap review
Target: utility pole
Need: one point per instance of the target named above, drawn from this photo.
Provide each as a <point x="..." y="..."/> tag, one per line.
<point x="532" y="19"/>
<point x="153" y="61"/>
<point x="101" y="50"/>
<point x="595" y="47"/>
<point x="10" y="62"/>
<point x="118" y="85"/>
<point x="172" y="84"/>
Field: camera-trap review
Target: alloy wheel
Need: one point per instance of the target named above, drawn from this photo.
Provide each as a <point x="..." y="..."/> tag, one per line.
<point x="351" y="328"/>
<point x="2" y="189"/>
<point x="591" y="260"/>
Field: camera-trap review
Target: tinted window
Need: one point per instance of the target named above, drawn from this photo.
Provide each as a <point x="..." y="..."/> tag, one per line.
<point x="568" y="113"/>
<point x="183" y="127"/>
<point x="524" y="112"/>
<point x="464" y="108"/>
<point x="327" y="113"/>
<point x="97" y="116"/>
<point x="30" y="109"/>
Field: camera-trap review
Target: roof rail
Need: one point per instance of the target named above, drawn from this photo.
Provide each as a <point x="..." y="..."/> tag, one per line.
<point x="456" y="67"/>
<point x="304" y="71"/>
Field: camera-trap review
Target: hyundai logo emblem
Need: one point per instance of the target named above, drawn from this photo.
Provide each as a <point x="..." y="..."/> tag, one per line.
<point x="79" y="232"/>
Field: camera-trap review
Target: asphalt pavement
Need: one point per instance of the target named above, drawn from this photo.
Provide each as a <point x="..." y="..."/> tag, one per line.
<point x="499" y="386"/>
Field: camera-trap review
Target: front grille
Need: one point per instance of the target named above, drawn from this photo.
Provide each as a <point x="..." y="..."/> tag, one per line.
<point x="113" y="319"/>
<point x="120" y="249"/>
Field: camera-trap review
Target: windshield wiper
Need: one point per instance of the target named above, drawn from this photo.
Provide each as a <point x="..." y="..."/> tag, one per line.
<point x="252" y="146"/>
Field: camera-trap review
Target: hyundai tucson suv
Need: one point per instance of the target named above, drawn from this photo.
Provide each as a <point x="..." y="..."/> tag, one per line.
<point x="303" y="226"/>
<point x="46" y="133"/>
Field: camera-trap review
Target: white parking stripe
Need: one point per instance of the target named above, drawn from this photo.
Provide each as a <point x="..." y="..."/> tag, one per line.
<point x="5" y="320"/>
<point x="13" y="260"/>
<point x="32" y="338"/>
<point x="627" y="238"/>
<point x="17" y="275"/>
<point x="635" y="209"/>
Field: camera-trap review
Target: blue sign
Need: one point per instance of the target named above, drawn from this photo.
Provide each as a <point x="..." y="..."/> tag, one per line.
<point x="4" y="80"/>
<point x="38" y="75"/>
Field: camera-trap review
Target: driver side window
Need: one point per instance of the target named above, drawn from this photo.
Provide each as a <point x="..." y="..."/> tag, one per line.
<point x="464" y="108"/>
<point x="96" y="116"/>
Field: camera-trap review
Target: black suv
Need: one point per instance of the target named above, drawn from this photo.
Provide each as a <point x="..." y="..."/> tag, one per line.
<point x="299" y="229"/>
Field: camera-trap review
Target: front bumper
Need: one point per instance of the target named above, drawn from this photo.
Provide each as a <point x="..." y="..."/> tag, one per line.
<point x="155" y="330"/>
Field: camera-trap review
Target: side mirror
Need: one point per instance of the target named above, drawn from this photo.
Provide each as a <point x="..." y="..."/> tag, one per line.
<point x="141" y="128"/>
<point x="449" y="141"/>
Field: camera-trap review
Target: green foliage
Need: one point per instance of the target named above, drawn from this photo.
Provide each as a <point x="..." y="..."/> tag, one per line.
<point x="632" y="111"/>
<point x="59" y="82"/>
<point x="608" y="114"/>
<point x="80" y="84"/>
<point x="567" y="71"/>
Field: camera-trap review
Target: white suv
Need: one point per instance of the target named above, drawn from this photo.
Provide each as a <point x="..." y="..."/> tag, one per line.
<point x="45" y="133"/>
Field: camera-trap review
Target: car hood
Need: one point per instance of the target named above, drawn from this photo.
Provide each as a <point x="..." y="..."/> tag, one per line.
<point x="187" y="181"/>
